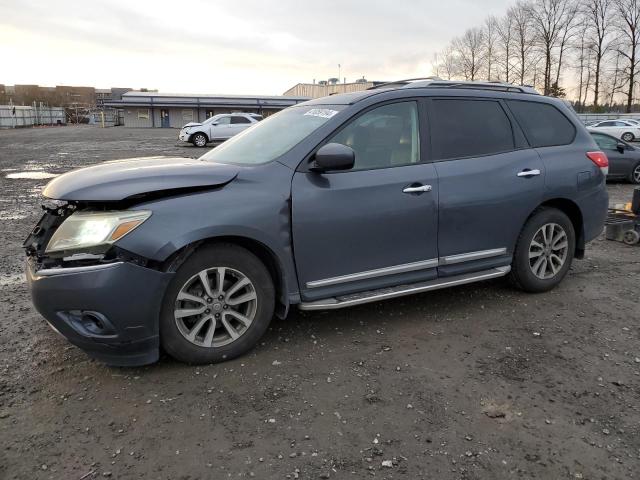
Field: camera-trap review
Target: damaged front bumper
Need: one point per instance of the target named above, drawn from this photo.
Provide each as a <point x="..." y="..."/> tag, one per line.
<point x="109" y="310"/>
<point x="108" y="304"/>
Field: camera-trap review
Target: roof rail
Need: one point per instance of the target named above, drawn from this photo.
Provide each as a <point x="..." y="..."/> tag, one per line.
<point x="435" y="82"/>
<point x="402" y="83"/>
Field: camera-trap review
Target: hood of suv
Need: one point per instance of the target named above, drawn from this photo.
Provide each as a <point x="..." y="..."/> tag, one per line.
<point x="192" y="124"/>
<point x="121" y="179"/>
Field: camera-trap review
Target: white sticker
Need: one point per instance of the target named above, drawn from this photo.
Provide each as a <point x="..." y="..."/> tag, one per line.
<point x="321" y="112"/>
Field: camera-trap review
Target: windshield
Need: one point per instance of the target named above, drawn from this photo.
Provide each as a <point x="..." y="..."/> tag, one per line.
<point x="270" y="138"/>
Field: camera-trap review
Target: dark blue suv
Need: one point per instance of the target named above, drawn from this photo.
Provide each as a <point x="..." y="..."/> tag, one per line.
<point x="339" y="201"/>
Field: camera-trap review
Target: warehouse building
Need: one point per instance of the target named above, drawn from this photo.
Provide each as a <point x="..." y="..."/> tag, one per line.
<point x="325" y="88"/>
<point x="172" y="110"/>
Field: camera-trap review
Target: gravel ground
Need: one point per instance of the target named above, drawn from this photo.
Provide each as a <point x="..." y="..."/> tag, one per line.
<point x="480" y="381"/>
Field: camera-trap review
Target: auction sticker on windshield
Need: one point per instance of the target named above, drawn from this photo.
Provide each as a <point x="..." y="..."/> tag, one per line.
<point x="321" y="112"/>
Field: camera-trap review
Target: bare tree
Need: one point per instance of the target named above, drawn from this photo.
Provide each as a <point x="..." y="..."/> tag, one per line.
<point x="598" y="22"/>
<point x="504" y="28"/>
<point x="448" y="63"/>
<point x="470" y="51"/>
<point x="628" y="25"/>
<point x="523" y="39"/>
<point x="490" y="39"/>
<point x="583" y="61"/>
<point x="548" y="18"/>
<point x="568" y="31"/>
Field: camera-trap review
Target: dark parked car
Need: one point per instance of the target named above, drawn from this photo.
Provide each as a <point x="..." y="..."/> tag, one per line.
<point x="335" y="202"/>
<point x="624" y="159"/>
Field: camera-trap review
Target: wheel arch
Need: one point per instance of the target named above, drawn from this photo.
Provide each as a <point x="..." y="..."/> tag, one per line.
<point x="265" y="254"/>
<point x="571" y="210"/>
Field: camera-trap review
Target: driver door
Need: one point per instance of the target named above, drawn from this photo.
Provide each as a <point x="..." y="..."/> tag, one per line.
<point x="220" y="128"/>
<point x="368" y="227"/>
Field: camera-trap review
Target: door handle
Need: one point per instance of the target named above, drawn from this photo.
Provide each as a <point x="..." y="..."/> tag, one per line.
<point x="417" y="189"/>
<point x="529" y="173"/>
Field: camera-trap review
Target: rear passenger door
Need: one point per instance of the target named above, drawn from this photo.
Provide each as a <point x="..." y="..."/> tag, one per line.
<point x="489" y="182"/>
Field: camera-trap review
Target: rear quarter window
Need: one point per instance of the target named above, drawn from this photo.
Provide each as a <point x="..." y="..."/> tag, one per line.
<point x="543" y="124"/>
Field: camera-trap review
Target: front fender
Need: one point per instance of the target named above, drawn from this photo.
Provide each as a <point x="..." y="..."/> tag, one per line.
<point x="245" y="208"/>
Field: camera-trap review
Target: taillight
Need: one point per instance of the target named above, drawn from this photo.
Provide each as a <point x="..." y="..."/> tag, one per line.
<point x="601" y="160"/>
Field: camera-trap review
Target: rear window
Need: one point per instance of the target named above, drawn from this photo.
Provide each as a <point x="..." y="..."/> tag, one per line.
<point x="239" y="119"/>
<point x="469" y="128"/>
<point x="543" y="124"/>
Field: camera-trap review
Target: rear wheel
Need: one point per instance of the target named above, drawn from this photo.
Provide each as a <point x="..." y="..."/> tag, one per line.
<point x="217" y="306"/>
<point x="544" y="251"/>
<point x="634" y="176"/>
<point x="199" y="139"/>
<point x="628" y="137"/>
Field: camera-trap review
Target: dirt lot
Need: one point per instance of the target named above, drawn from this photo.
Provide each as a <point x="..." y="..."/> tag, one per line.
<point x="473" y="382"/>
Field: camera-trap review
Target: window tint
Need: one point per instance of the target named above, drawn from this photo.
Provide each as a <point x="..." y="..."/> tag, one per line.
<point x="239" y="119"/>
<point x="543" y="124"/>
<point x="223" y="121"/>
<point x="605" y="142"/>
<point x="606" y="124"/>
<point x="384" y="137"/>
<point x="469" y="128"/>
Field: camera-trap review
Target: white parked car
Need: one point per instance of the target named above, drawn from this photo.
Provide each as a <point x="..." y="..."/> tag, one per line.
<point x="217" y="128"/>
<point x="622" y="129"/>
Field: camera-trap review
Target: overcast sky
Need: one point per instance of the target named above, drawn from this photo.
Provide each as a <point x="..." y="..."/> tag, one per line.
<point x="230" y="46"/>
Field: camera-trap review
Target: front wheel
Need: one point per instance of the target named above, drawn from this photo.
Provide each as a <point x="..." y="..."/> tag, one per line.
<point x="217" y="306"/>
<point x="199" y="140"/>
<point x="544" y="251"/>
<point x="628" y="137"/>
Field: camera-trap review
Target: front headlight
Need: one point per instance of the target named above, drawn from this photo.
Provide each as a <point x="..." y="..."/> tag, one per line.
<point x="90" y="229"/>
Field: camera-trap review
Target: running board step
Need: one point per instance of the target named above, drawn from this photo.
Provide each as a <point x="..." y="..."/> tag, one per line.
<point x="401" y="290"/>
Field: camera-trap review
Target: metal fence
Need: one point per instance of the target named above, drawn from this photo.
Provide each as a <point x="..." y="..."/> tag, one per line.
<point x="596" y="117"/>
<point x="19" y="116"/>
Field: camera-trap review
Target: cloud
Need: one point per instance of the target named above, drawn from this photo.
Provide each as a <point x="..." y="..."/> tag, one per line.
<point x="249" y="46"/>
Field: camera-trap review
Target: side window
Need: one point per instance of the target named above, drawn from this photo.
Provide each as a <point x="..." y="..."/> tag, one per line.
<point x="606" y="124"/>
<point x="543" y="124"/>
<point x="469" y="128"/>
<point x="386" y="136"/>
<point x="605" y="142"/>
<point x="223" y="121"/>
<point x="235" y="119"/>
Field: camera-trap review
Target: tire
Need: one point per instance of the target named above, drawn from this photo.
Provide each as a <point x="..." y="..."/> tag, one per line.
<point x="199" y="139"/>
<point x="634" y="176"/>
<point x="185" y="324"/>
<point x="628" y="137"/>
<point x="526" y="272"/>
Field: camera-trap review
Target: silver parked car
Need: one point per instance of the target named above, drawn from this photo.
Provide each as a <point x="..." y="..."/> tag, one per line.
<point x="217" y="128"/>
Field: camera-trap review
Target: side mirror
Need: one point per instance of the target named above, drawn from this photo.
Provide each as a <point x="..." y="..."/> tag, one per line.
<point x="333" y="156"/>
<point x="621" y="147"/>
<point x="213" y="124"/>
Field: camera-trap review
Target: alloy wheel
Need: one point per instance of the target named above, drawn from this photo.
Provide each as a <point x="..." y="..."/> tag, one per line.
<point x="215" y="307"/>
<point x="200" y="141"/>
<point x="636" y="174"/>
<point x="548" y="251"/>
<point x="627" y="137"/>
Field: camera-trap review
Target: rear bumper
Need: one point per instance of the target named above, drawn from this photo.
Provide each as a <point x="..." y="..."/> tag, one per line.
<point x="110" y="312"/>
<point x="594" y="209"/>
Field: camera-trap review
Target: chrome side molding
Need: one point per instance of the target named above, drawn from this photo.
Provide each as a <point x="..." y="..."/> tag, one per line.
<point x="402" y="290"/>
<point x="467" y="257"/>
<point x="408" y="267"/>
<point x="379" y="272"/>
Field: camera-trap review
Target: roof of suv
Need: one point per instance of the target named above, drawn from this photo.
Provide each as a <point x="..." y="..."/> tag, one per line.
<point x="427" y="82"/>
